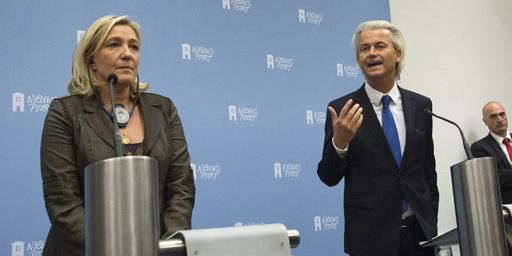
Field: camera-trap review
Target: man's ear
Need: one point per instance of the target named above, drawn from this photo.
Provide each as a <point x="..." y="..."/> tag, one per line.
<point x="398" y="56"/>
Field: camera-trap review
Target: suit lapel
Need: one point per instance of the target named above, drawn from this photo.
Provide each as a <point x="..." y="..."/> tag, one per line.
<point x="499" y="152"/>
<point x="372" y="124"/>
<point x="98" y="120"/>
<point x="409" y="109"/>
<point x="101" y="124"/>
<point x="154" y="119"/>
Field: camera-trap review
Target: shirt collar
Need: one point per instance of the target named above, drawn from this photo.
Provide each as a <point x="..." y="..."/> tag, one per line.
<point x="498" y="138"/>
<point x="376" y="96"/>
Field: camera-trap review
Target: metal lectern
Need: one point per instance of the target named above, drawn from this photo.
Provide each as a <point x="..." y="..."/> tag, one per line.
<point x="121" y="207"/>
<point x="478" y="208"/>
<point x="121" y="218"/>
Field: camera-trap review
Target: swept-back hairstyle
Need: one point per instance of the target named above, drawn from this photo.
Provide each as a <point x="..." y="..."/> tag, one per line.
<point x="396" y="37"/>
<point x="81" y="82"/>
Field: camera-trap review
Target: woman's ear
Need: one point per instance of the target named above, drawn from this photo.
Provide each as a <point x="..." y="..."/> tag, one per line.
<point x="93" y="66"/>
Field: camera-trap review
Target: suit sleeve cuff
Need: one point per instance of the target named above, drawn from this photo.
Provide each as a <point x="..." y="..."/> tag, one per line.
<point x="340" y="151"/>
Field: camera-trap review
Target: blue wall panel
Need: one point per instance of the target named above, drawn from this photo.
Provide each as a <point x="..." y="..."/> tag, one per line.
<point x="252" y="94"/>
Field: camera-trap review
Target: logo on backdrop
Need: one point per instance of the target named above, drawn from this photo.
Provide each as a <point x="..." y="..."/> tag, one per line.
<point x="347" y="70"/>
<point x="310" y="17"/>
<point x="79" y="35"/>
<point x="206" y="171"/>
<point x="31" y="103"/>
<point x="196" y="52"/>
<point x="286" y="170"/>
<point x="245" y="114"/>
<point x="315" y="117"/>
<point x="326" y="223"/>
<point x="33" y="248"/>
<point x="238" y="5"/>
<point x="278" y="62"/>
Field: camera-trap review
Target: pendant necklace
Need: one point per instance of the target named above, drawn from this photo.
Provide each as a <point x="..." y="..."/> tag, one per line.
<point x="125" y="139"/>
<point x="122" y="114"/>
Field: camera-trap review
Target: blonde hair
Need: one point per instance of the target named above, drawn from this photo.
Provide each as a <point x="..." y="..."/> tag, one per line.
<point x="81" y="82"/>
<point x="396" y="37"/>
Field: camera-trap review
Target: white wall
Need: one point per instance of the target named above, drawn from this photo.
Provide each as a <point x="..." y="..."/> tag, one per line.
<point x="459" y="53"/>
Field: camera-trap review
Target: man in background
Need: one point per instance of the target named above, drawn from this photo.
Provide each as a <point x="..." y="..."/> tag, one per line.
<point x="497" y="144"/>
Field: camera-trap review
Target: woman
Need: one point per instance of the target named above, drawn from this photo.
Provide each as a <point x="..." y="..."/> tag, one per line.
<point x="78" y="131"/>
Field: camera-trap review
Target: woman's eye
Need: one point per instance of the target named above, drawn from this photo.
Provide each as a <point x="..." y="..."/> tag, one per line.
<point x="113" y="44"/>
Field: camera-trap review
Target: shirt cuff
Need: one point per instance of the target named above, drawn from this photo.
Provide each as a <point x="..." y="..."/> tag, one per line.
<point x="341" y="152"/>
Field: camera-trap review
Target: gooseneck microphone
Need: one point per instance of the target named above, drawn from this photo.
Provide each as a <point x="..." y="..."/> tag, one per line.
<point x="464" y="141"/>
<point x="112" y="80"/>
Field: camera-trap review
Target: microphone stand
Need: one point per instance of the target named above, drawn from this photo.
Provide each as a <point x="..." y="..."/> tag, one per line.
<point x="464" y="142"/>
<point x="112" y="79"/>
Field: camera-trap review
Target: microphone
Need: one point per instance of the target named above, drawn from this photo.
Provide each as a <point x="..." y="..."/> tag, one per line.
<point x="112" y="80"/>
<point x="464" y="141"/>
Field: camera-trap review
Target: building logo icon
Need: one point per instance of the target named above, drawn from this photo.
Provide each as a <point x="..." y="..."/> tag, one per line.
<point x="18" y="248"/>
<point x="318" y="223"/>
<point x="309" y="116"/>
<point x="32" y="103"/>
<point x="197" y="53"/>
<point x="326" y="223"/>
<point x="347" y="70"/>
<point x="232" y="112"/>
<point x="278" y="170"/>
<point x="270" y="61"/>
<point x="238" y="5"/>
<point x="18" y="102"/>
<point x="79" y="35"/>
<point x="308" y="17"/>
<point x="194" y="170"/>
<point x="339" y="69"/>
<point x="226" y="5"/>
<point x="279" y="62"/>
<point x="242" y="113"/>
<point x="315" y="117"/>
<point x="185" y="51"/>
<point x="302" y="16"/>
<point x="290" y="170"/>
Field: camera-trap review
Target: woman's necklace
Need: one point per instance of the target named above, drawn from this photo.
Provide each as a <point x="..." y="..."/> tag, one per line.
<point x="122" y="114"/>
<point x="124" y="138"/>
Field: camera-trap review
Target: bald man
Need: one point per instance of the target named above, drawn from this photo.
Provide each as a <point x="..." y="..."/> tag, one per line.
<point x="497" y="144"/>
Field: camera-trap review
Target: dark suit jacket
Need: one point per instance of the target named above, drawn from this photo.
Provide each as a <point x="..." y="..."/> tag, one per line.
<point x="489" y="147"/>
<point x="76" y="133"/>
<point x="373" y="181"/>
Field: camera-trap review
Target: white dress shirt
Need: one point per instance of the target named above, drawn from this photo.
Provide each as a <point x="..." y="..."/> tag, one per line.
<point x="499" y="139"/>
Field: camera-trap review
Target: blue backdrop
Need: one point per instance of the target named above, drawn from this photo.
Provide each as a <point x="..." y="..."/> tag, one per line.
<point x="251" y="80"/>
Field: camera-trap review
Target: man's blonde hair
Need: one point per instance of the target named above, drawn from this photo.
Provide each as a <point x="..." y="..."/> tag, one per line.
<point x="396" y="37"/>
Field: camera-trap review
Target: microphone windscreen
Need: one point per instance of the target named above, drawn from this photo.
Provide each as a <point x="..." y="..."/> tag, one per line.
<point x="112" y="77"/>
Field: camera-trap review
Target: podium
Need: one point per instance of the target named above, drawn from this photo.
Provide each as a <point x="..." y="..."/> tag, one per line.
<point x="122" y="218"/>
<point x="121" y="207"/>
<point x="480" y="217"/>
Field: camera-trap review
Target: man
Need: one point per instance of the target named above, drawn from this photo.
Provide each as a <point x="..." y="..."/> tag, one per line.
<point x="497" y="144"/>
<point x="387" y="159"/>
